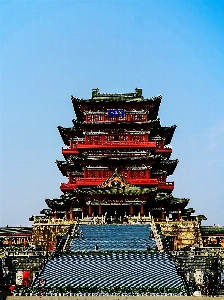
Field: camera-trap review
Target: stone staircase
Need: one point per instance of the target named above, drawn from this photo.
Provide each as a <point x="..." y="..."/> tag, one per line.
<point x="71" y="234"/>
<point x="157" y="235"/>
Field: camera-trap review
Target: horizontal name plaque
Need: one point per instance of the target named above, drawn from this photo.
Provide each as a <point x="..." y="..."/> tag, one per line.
<point x="115" y="112"/>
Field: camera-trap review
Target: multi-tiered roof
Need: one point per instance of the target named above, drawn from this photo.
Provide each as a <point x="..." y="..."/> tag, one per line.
<point x="117" y="160"/>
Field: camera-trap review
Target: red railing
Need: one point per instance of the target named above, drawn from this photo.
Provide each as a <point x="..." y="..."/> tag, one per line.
<point x="164" y="150"/>
<point x="81" y="182"/>
<point x="70" y="151"/>
<point x="117" y="143"/>
<point x="166" y="185"/>
<point x="107" y="145"/>
<point x="78" y="182"/>
<point x="143" y="181"/>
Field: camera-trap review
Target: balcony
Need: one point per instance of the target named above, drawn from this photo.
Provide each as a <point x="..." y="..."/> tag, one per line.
<point x="109" y="145"/>
<point x="116" y="144"/>
<point x="143" y="181"/>
<point x="82" y="182"/>
<point x="165" y="150"/>
<point x="166" y="185"/>
<point x="70" y="151"/>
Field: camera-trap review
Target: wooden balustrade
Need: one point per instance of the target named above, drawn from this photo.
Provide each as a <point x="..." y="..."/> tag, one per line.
<point x="97" y="181"/>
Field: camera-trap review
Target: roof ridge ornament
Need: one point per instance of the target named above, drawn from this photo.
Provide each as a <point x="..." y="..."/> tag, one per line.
<point x="115" y="179"/>
<point x="137" y="95"/>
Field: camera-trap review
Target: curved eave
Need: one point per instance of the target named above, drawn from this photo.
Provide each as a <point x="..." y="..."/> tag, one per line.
<point x="182" y="202"/>
<point x="165" y="133"/>
<point x="67" y="134"/>
<point x="189" y="210"/>
<point x="168" y="133"/>
<point x="155" y="107"/>
<point x="54" y="202"/>
<point x="63" y="167"/>
<point x="165" y="165"/>
<point x="63" y="200"/>
<point x="203" y="218"/>
<point x="116" y="191"/>
<point x="106" y="161"/>
<point x="67" y="167"/>
<point x="163" y="197"/>
<point x="75" y="103"/>
<point x="142" y="125"/>
<point x="47" y="212"/>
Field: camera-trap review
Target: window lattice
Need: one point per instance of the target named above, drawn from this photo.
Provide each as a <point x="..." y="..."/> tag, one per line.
<point x="138" y="174"/>
<point x="72" y="179"/>
<point x="123" y="138"/>
<point x="107" y="173"/>
<point x="94" y="118"/>
<point x="138" y="117"/>
<point x="94" y="139"/>
<point x="160" y="179"/>
<point x="115" y="119"/>
<point x="109" y="138"/>
<point x="94" y="174"/>
<point x="137" y="138"/>
<point x="124" y="174"/>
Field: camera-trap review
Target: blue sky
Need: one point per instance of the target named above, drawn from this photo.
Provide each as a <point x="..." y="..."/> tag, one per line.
<point x="53" y="49"/>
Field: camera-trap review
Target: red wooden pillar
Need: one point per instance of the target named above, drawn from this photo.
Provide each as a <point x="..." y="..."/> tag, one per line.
<point x="178" y="214"/>
<point x="83" y="210"/>
<point x="71" y="212"/>
<point x="167" y="212"/>
<point x="71" y="144"/>
<point x="131" y="210"/>
<point x="90" y="211"/>
<point x="146" y="117"/>
<point x="162" y="211"/>
<point x="142" y="210"/>
<point x="147" y="174"/>
<point x="69" y="178"/>
<point x="150" y="210"/>
<point x="100" y="210"/>
<point x="66" y="213"/>
<point x="55" y="212"/>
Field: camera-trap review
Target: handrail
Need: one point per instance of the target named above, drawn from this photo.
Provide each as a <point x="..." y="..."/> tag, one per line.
<point x="101" y="180"/>
<point x="111" y="143"/>
<point x="117" y="143"/>
<point x="164" y="149"/>
<point x="50" y="221"/>
<point x="169" y="183"/>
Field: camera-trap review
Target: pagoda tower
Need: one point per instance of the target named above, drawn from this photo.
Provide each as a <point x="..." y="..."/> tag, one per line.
<point x="117" y="161"/>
